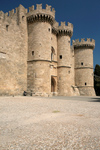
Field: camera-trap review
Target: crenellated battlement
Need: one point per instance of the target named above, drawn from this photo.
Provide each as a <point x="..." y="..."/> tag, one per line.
<point x="7" y="17"/>
<point x="38" y="14"/>
<point x="64" y="26"/>
<point x="1" y="15"/>
<point x="13" y="15"/>
<point x="36" y="54"/>
<point x="41" y="14"/>
<point x="48" y="10"/>
<point x="65" y="29"/>
<point x="84" y="43"/>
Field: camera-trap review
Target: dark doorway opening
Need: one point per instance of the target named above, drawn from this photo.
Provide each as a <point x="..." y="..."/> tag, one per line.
<point x="53" y="85"/>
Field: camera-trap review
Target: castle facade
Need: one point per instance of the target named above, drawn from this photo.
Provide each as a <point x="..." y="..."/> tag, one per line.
<point x="36" y="55"/>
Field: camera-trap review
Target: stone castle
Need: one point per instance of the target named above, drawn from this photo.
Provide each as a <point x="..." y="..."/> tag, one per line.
<point x="36" y="55"/>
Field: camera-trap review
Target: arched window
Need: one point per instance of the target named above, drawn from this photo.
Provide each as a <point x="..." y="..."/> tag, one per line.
<point x="52" y="53"/>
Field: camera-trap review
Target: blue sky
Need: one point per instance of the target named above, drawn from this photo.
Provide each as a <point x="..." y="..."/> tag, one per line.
<point x="83" y="14"/>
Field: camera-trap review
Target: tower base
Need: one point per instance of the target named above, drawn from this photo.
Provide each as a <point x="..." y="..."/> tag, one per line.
<point x="87" y="91"/>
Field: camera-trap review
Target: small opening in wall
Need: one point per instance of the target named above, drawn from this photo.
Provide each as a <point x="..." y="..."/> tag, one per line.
<point x="60" y="56"/>
<point x="23" y="18"/>
<point x="68" y="41"/>
<point x="81" y="63"/>
<point x="32" y="52"/>
<point x="35" y="75"/>
<point x="69" y="72"/>
<point x="49" y="29"/>
<point x="59" y="78"/>
<point x="85" y="83"/>
<point x="52" y="53"/>
<point x="7" y="27"/>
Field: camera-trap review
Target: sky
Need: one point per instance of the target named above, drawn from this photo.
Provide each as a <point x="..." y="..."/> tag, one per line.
<point x="83" y="14"/>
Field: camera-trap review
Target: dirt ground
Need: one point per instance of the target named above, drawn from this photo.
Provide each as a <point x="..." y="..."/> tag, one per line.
<point x="57" y="123"/>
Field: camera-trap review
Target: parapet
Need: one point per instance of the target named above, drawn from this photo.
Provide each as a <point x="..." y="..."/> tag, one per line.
<point x="13" y="15"/>
<point x="1" y="15"/>
<point x="84" y="43"/>
<point x="40" y="14"/>
<point x="65" y="29"/>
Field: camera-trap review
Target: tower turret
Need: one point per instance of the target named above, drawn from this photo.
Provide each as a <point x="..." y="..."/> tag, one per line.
<point x="64" y="55"/>
<point x="39" y="52"/>
<point x="83" y="51"/>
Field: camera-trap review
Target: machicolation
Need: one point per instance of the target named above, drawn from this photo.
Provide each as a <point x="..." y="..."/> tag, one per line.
<point x="36" y="56"/>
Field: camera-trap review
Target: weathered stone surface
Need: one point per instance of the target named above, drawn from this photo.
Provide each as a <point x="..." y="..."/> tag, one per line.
<point x="36" y="55"/>
<point x="13" y="54"/>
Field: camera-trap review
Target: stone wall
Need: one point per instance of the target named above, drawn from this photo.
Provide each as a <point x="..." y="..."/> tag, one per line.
<point x="83" y="57"/>
<point x="36" y="56"/>
<point x="84" y="78"/>
<point x="13" y="44"/>
<point x="87" y="91"/>
<point x="39" y="78"/>
<point x="64" y="51"/>
<point x="39" y="41"/>
<point x="54" y="46"/>
<point x="64" y="73"/>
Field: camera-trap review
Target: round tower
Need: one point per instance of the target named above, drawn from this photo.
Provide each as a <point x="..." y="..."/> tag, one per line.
<point x="83" y="51"/>
<point x="64" y="59"/>
<point x="39" y="50"/>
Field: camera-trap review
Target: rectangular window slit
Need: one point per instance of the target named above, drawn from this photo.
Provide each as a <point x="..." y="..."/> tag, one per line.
<point x="7" y="27"/>
<point x="60" y="56"/>
<point x="32" y="52"/>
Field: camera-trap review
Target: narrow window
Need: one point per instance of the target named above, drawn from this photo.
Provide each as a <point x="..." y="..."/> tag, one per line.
<point x="69" y="72"/>
<point x="49" y="29"/>
<point x="51" y="56"/>
<point x="60" y="56"/>
<point x="81" y="63"/>
<point x="52" y="53"/>
<point x="35" y="75"/>
<point x="23" y="18"/>
<point x="7" y="27"/>
<point x="59" y="78"/>
<point x="85" y="83"/>
<point x="32" y="52"/>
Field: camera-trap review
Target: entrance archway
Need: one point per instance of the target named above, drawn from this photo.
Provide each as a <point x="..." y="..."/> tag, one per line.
<point x="53" y="85"/>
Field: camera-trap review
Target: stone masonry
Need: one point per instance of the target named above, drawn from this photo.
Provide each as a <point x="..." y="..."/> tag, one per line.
<point x="36" y="55"/>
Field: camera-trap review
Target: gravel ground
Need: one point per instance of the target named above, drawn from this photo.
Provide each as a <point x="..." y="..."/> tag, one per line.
<point x="57" y="123"/>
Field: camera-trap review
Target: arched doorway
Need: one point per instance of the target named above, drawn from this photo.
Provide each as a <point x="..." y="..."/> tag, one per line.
<point x="53" y="85"/>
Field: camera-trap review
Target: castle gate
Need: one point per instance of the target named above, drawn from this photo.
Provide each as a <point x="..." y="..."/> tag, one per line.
<point x="53" y="85"/>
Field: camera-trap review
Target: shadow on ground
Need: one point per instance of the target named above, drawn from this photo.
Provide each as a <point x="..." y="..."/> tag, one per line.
<point x="96" y="99"/>
<point x="78" y="98"/>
